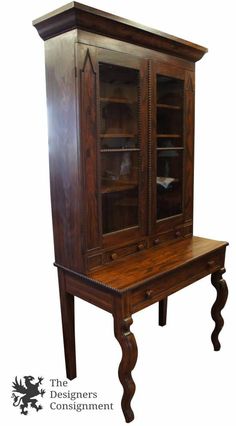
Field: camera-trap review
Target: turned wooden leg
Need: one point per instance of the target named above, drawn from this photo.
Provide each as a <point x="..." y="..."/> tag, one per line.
<point x="129" y="357"/>
<point x="68" y="326"/>
<point x="162" y="311"/>
<point x="222" y="293"/>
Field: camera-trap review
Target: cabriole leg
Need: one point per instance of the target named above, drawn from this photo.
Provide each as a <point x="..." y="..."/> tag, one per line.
<point x="222" y="293"/>
<point x="129" y="357"/>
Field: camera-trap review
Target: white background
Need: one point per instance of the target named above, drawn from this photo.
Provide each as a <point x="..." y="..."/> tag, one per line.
<point x="180" y="380"/>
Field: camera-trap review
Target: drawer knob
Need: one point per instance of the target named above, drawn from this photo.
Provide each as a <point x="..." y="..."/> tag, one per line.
<point x="114" y="256"/>
<point x="178" y="234"/>
<point x="148" y="294"/>
<point x="156" y="241"/>
<point x="210" y="263"/>
<point x="140" y="246"/>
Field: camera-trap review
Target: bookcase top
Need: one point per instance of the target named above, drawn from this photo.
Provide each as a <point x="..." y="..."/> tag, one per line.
<point x="76" y="15"/>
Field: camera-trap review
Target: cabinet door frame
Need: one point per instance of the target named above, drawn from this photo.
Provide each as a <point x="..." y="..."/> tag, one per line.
<point x="92" y="56"/>
<point x="169" y="223"/>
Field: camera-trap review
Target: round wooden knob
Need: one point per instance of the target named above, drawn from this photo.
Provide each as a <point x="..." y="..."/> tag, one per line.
<point x="149" y="294"/>
<point x="178" y="234"/>
<point x="114" y="256"/>
<point x="140" y="246"/>
<point x="156" y="241"/>
<point x="210" y="263"/>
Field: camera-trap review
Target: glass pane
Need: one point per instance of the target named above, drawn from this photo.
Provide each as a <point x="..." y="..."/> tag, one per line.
<point x="119" y="170"/>
<point x="119" y="146"/>
<point x="170" y="91"/>
<point x="118" y="103"/>
<point x="170" y="142"/>
<point x="118" y="143"/>
<point x="169" y="183"/>
<point x="170" y="149"/>
<point x="169" y="121"/>
<point x="119" y="210"/>
<point x="169" y="111"/>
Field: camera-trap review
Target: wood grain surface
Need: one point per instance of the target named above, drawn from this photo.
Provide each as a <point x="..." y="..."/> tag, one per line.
<point x="155" y="262"/>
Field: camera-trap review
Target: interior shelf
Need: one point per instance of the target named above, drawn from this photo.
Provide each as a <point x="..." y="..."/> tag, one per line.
<point x="160" y="135"/>
<point x="172" y="148"/>
<point x="118" y="100"/>
<point x="118" y="187"/>
<point x="168" y="106"/>
<point x="120" y="150"/>
<point x="117" y="135"/>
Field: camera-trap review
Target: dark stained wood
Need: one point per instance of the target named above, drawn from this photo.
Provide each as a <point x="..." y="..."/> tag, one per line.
<point x="148" y="264"/>
<point x="189" y="144"/>
<point x="164" y="285"/>
<point x="173" y="233"/>
<point x="93" y="295"/>
<point x="98" y="40"/>
<point x="76" y="15"/>
<point x="64" y="155"/>
<point x="163" y="311"/>
<point x="222" y="294"/>
<point x="124" y="251"/>
<point x="122" y="272"/>
<point x="88" y="170"/>
<point x="67" y="316"/>
<point x="88" y="91"/>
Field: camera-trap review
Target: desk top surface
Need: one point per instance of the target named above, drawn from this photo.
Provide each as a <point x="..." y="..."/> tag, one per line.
<point x="154" y="262"/>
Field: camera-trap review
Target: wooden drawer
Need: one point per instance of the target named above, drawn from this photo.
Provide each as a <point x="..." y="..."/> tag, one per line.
<point x="113" y="255"/>
<point x="97" y="260"/>
<point x="176" y="233"/>
<point x="173" y="281"/>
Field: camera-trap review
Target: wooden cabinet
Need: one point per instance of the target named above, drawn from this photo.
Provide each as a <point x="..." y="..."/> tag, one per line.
<point x="121" y="142"/>
<point x="135" y="126"/>
<point x="137" y="150"/>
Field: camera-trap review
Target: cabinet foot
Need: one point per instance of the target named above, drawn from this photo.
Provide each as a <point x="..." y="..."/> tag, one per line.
<point x="68" y="326"/>
<point x="129" y="357"/>
<point x="162" y="311"/>
<point x="222" y="293"/>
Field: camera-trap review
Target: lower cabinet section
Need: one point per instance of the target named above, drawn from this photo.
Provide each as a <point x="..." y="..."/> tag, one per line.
<point x="104" y="257"/>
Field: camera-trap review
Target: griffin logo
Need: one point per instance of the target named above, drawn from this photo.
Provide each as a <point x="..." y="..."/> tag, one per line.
<point x="29" y="391"/>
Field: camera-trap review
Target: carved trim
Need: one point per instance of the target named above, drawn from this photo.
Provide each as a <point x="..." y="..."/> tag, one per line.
<point x="88" y="58"/>
<point x="140" y="147"/>
<point x="189" y="85"/>
<point x="89" y="141"/>
<point x="90" y="281"/>
<point x="150" y="209"/>
<point x="99" y="155"/>
<point x="222" y="294"/>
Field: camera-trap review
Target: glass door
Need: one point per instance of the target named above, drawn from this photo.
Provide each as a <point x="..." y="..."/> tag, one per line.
<point x="169" y="146"/>
<point x="121" y="143"/>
